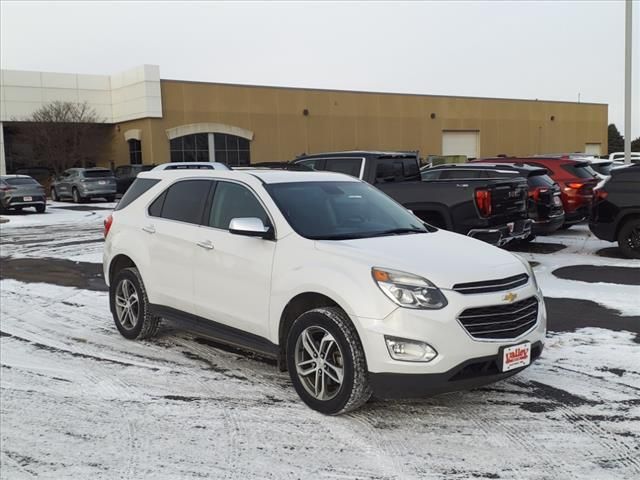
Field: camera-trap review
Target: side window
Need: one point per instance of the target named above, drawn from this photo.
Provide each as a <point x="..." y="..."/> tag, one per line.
<point x="350" y="166"/>
<point x="460" y="174"/>
<point x="313" y="163"/>
<point x="430" y="174"/>
<point x="410" y="166"/>
<point x="232" y="200"/>
<point x="139" y="186"/>
<point x="185" y="200"/>
<point x="385" y="170"/>
<point x="155" y="209"/>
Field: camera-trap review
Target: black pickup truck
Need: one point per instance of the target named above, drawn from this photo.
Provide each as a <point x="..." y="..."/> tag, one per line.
<point x="493" y="210"/>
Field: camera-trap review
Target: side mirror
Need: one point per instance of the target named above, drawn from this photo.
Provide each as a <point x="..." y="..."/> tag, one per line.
<point x="249" y="227"/>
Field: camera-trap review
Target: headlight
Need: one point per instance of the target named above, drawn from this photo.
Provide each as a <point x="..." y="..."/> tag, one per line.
<point x="409" y="290"/>
<point x="529" y="269"/>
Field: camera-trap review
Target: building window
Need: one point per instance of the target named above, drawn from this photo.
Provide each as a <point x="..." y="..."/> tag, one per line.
<point x="190" y="148"/>
<point x="228" y="149"/>
<point x="135" y="152"/>
<point x="231" y="150"/>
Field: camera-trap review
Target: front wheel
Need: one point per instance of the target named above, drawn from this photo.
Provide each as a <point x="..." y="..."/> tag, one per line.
<point x="326" y="361"/>
<point x="76" y="196"/>
<point x="629" y="238"/>
<point x="54" y="195"/>
<point x="130" y="305"/>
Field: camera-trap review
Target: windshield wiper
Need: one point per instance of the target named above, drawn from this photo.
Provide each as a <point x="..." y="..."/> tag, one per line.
<point x="398" y="231"/>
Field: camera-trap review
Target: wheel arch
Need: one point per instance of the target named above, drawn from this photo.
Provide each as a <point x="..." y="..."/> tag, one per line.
<point x="624" y="218"/>
<point x="119" y="262"/>
<point x="302" y="302"/>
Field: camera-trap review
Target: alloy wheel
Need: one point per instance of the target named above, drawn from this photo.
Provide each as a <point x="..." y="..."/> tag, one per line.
<point x="633" y="240"/>
<point x="319" y="363"/>
<point x="127" y="304"/>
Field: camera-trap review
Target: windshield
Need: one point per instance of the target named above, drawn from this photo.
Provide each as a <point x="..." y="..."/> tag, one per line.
<point x="97" y="173"/>
<point x="342" y="210"/>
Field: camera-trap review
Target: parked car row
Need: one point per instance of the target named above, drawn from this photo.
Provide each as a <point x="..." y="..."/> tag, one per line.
<point x="21" y="191"/>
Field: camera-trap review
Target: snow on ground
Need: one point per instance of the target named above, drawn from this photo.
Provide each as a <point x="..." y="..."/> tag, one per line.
<point x="79" y="401"/>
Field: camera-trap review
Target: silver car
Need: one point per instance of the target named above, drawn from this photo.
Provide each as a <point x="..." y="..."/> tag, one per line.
<point x="82" y="184"/>
<point x="20" y="191"/>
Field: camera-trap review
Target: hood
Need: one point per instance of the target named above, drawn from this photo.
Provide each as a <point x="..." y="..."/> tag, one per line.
<point x="442" y="257"/>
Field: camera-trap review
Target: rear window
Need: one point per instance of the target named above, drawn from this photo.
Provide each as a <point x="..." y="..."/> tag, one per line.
<point x="540" y="181"/>
<point x="97" y="173"/>
<point x="580" y="170"/>
<point x="183" y="201"/>
<point x="137" y="188"/>
<point x="20" y="181"/>
<point x="602" y="168"/>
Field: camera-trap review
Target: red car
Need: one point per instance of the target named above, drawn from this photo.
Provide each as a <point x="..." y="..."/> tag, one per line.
<point x="575" y="177"/>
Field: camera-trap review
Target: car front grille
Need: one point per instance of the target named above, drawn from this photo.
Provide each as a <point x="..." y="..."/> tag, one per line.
<point x="500" y="321"/>
<point x="488" y="286"/>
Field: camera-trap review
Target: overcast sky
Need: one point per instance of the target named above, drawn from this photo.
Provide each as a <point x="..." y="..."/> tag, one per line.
<point x="546" y="50"/>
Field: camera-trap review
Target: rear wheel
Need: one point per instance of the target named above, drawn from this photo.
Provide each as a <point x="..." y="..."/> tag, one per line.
<point x="130" y="306"/>
<point x="629" y="238"/>
<point x="76" y="195"/>
<point x="326" y="361"/>
<point x="41" y="208"/>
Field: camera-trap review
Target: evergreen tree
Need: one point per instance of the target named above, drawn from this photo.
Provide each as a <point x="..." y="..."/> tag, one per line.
<point x="616" y="141"/>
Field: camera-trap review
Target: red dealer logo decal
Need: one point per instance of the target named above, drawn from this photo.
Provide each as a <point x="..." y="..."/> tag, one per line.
<point x="517" y="355"/>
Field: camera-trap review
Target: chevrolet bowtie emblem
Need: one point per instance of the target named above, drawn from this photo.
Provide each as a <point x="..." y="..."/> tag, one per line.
<point x="510" y="297"/>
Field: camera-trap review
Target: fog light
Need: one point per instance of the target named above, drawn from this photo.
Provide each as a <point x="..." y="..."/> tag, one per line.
<point x="410" y="350"/>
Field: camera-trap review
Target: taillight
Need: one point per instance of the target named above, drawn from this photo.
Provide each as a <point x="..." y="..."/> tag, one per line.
<point x="535" y="192"/>
<point x="7" y="189"/>
<point x="107" y="225"/>
<point x="580" y="187"/>
<point x="600" y="195"/>
<point x="575" y="185"/>
<point x="483" y="201"/>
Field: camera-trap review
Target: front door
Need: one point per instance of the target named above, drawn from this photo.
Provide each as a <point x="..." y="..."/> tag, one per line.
<point x="232" y="273"/>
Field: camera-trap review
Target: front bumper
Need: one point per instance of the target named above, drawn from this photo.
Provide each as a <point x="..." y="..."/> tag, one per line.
<point x="472" y="373"/>
<point x="442" y="330"/>
<point x="502" y="234"/>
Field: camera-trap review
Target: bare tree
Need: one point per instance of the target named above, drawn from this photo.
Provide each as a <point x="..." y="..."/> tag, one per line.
<point x="64" y="134"/>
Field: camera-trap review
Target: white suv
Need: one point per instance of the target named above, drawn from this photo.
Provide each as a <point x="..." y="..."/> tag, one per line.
<point x="350" y="292"/>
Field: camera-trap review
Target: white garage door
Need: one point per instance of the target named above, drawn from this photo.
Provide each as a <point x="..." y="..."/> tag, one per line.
<point x="592" y="149"/>
<point x="461" y="143"/>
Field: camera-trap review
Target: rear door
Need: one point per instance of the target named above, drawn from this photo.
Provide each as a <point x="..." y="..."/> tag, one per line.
<point x="63" y="185"/>
<point x="173" y="227"/>
<point x="232" y="273"/>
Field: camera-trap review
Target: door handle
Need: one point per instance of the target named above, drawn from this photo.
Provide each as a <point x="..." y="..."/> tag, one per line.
<point x="149" y="229"/>
<point x="206" y="244"/>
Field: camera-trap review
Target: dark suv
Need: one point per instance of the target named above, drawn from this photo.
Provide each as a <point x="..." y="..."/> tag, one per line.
<point x="576" y="179"/>
<point x="544" y="205"/>
<point x="126" y="174"/>
<point x="616" y="210"/>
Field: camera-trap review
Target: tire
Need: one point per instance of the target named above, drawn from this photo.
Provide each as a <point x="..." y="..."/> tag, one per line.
<point x="41" y="208"/>
<point x="566" y="226"/>
<point x="629" y="238"/>
<point x="140" y="323"/>
<point x="54" y="195"/>
<point x="76" y="195"/>
<point x="328" y="326"/>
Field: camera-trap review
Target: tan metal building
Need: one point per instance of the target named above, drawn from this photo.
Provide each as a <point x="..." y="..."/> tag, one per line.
<point x="157" y="121"/>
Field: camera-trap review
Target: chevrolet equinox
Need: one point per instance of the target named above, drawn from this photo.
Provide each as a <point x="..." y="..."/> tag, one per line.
<point x="342" y="286"/>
